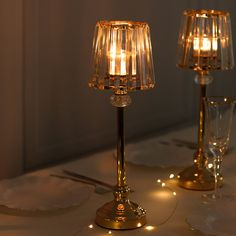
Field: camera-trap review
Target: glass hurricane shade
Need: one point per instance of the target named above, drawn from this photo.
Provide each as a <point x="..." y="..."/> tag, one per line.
<point x="122" y="56"/>
<point x="205" y="41"/>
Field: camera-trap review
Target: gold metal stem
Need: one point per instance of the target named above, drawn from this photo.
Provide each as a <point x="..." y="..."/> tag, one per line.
<point x="121" y="176"/>
<point x="200" y="158"/>
<point x="121" y="213"/>
<point x="201" y="129"/>
<point x="197" y="176"/>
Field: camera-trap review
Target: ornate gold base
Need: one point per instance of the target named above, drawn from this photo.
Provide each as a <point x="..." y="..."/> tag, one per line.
<point x="121" y="215"/>
<point x="195" y="179"/>
<point x="199" y="178"/>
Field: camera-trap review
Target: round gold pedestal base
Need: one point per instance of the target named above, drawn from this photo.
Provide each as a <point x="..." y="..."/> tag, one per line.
<point x="195" y="179"/>
<point x="121" y="215"/>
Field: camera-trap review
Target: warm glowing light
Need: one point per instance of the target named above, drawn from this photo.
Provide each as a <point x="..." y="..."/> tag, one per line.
<point x="196" y="174"/>
<point x="203" y="15"/>
<point x="161" y="194"/>
<point x="165" y="194"/>
<point x="90" y="226"/>
<point x="120" y="207"/>
<point x="149" y="227"/>
<point x="139" y="225"/>
<point x="117" y="61"/>
<point x="205" y="44"/>
<point x="122" y="62"/>
<point x="210" y="165"/>
<point x="171" y="176"/>
<point x="109" y="232"/>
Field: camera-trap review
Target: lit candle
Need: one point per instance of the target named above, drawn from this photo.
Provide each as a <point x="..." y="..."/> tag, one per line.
<point x="204" y="46"/>
<point x="118" y="59"/>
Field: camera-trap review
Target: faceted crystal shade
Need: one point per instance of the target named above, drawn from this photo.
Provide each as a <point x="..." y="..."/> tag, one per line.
<point x="122" y="56"/>
<point x="205" y="41"/>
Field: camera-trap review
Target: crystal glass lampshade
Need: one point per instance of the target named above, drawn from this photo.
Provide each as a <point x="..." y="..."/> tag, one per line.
<point x="205" y="41"/>
<point x="122" y="56"/>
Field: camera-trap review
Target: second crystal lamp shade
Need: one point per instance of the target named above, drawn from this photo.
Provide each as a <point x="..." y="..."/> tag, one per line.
<point x="122" y="56"/>
<point x="205" y="41"/>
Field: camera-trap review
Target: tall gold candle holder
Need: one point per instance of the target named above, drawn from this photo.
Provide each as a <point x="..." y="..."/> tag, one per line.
<point x="122" y="61"/>
<point x="204" y="45"/>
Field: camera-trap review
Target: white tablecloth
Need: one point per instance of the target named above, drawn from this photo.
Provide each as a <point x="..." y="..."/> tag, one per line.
<point x="166" y="212"/>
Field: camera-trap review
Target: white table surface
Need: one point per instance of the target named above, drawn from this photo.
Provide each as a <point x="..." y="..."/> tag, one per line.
<point x="165" y="211"/>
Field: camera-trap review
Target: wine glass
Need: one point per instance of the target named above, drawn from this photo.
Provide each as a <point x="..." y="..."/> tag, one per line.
<point x="219" y="113"/>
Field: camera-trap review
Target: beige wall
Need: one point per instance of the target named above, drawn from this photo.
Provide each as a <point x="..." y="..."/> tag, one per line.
<point x="63" y="118"/>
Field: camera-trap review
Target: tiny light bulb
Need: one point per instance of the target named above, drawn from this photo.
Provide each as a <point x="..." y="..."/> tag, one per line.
<point x="158" y="181"/>
<point x="171" y="176"/>
<point x="90" y="226"/>
<point x="174" y="193"/>
<point x="210" y="165"/>
<point x="109" y="232"/>
<point x="163" y="184"/>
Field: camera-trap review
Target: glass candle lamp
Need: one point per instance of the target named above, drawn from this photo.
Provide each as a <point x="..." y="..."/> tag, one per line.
<point x="122" y="57"/>
<point x="205" y="41"/>
<point x="122" y="62"/>
<point x="204" y="45"/>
